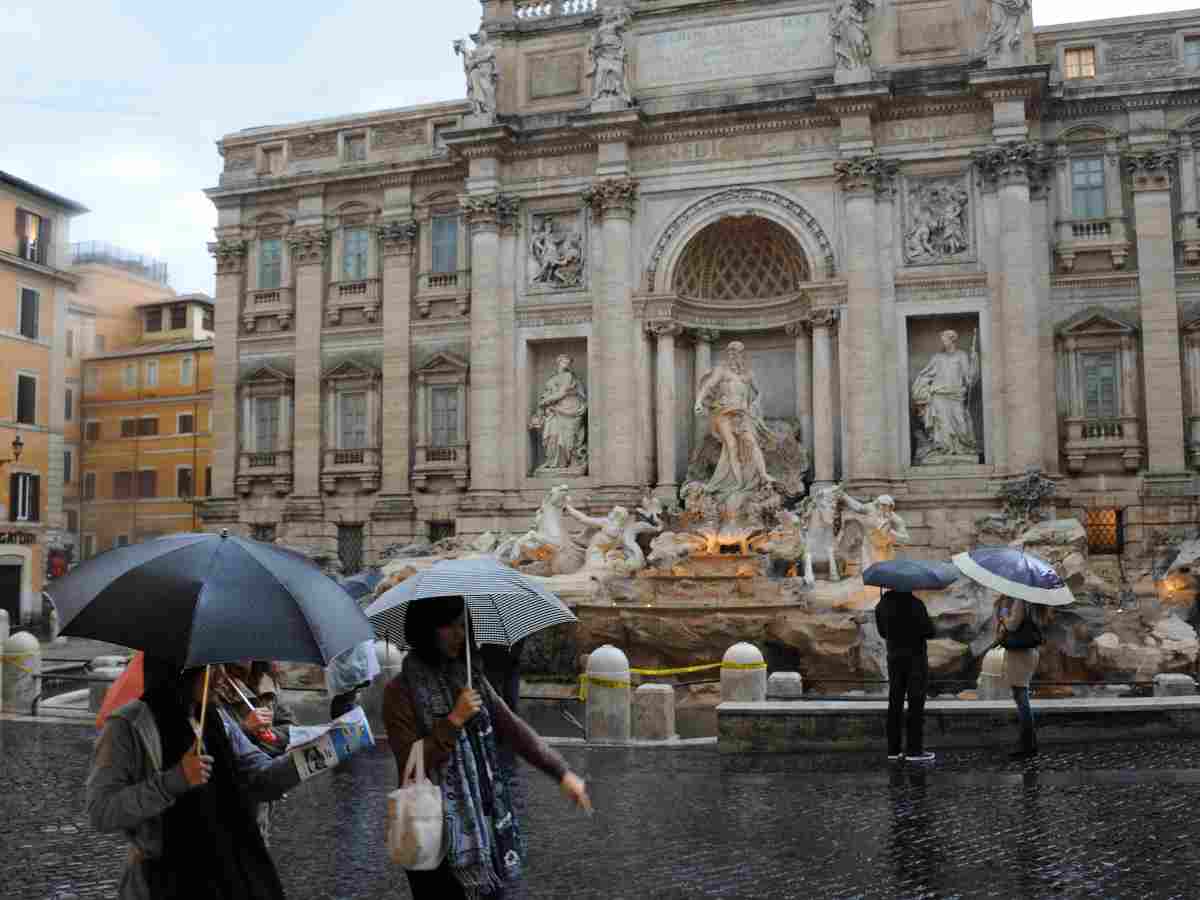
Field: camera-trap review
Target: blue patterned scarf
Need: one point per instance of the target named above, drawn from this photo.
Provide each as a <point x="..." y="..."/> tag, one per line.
<point x="474" y="787"/>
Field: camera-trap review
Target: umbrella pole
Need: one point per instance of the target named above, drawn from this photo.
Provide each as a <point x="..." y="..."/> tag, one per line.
<point x="203" y="708"/>
<point x="467" y="642"/>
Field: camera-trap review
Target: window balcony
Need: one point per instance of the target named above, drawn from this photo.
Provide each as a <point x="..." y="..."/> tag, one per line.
<point x="353" y="302"/>
<point x="275" y="303"/>
<point x="1102" y="235"/>
<point x="269" y="467"/>
<point x="434" y="286"/>
<point x="1103" y="437"/>
<point x="363" y="465"/>
<point x="450" y="461"/>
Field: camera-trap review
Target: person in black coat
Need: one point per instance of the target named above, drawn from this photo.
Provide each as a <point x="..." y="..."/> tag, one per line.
<point x="904" y="623"/>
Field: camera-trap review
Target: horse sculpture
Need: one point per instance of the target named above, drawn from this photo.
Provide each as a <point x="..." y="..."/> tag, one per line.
<point x="818" y="520"/>
<point x="547" y="546"/>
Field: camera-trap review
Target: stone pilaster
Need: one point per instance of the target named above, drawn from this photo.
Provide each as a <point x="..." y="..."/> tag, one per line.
<point x="230" y="256"/>
<point x="397" y="240"/>
<point x="1011" y="167"/>
<point x="1151" y="173"/>
<point x="1043" y="236"/>
<point x="803" y="344"/>
<point x="861" y="178"/>
<point x="310" y="247"/>
<point x="824" y="322"/>
<point x="486" y="423"/>
<point x="612" y="201"/>
<point x="704" y="340"/>
<point x="665" y="405"/>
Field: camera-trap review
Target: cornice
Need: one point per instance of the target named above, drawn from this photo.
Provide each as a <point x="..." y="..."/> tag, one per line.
<point x="570" y="148"/>
<point x="678" y="133"/>
<point x="920" y="109"/>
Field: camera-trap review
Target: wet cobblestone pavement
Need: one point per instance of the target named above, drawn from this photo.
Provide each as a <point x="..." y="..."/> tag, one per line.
<point x="1112" y="821"/>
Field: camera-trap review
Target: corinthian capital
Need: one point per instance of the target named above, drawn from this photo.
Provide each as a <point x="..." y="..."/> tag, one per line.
<point x="859" y="174"/>
<point x="664" y="329"/>
<point x="489" y="211"/>
<point x="1151" y="169"/>
<point x="230" y="255"/>
<point x="612" y="196"/>
<point x="308" y="246"/>
<point x="1018" y="162"/>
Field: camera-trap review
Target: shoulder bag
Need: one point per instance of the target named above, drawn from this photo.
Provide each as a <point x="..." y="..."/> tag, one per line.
<point x="415" y="826"/>
<point x="1027" y="636"/>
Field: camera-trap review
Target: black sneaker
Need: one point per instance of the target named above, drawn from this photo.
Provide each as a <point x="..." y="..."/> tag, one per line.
<point x="927" y="756"/>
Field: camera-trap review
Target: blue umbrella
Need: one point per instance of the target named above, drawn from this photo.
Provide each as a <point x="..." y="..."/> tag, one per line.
<point x="911" y="575"/>
<point x="1015" y="574"/>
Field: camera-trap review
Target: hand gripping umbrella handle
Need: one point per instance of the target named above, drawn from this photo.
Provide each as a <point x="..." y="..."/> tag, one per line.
<point x="203" y="709"/>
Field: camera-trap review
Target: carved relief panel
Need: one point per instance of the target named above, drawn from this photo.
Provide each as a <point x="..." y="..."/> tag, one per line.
<point x="938" y="221"/>
<point x="557" y="251"/>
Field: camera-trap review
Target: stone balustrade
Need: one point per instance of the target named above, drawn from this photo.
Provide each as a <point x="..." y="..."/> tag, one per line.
<point x="452" y="461"/>
<point x="363" y="464"/>
<point x="277" y="303"/>
<point x="1108" y="436"/>
<point x="1107" y="234"/>
<point x="360" y="297"/>
<point x="271" y="466"/>
<point x="545" y="9"/>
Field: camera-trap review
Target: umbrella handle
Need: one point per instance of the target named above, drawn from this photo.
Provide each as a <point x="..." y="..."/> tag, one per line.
<point x="203" y="709"/>
<point x="467" y="642"/>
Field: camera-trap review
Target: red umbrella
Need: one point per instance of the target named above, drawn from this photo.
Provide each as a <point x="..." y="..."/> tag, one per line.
<point x="128" y="687"/>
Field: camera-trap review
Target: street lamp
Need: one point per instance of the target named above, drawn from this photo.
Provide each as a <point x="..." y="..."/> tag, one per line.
<point x="17" y="446"/>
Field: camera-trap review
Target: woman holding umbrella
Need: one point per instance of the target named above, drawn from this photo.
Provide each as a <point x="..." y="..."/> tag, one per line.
<point x="187" y="814"/>
<point x="431" y="700"/>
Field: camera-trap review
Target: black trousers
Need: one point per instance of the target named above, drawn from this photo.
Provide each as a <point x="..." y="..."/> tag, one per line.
<point x="908" y="677"/>
<point x="440" y="884"/>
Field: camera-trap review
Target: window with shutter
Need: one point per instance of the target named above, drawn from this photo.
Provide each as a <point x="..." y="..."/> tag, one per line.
<point x="129" y="428"/>
<point x="29" y="313"/>
<point x="445" y="243"/>
<point x="24" y="498"/>
<point x="183" y="482"/>
<point x="152" y="373"/>
<point x="444" y="401"/>
<point x="147" y="427"/>
<point x="208" y="481"/>
<point x="187" y="369"/>
<point x="89" y="486"/>
<point x="354" y="254"/>
<point x="186" y="423"/>
<point x="91" y="431"/>
<point x="122" y="485"/>
<point x="33" y="233"/>
<point x="353" y="425"/>
<point x="266" y="423"/>
<point x="179" y="316"/>
<point x="154" y="319"/>
<point x="72" y="521"/>
<point x="26" y="399"/>
<point x="69" y="405"/>
<point x="67" y="466"/>
<point x="147" y="483"/>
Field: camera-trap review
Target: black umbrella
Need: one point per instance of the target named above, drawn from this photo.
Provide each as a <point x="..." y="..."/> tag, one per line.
<point x="911" y="575"/>
<point x="199" y="599"/>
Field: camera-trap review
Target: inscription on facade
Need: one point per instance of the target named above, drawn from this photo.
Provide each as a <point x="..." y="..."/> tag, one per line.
<point x="927" y="27"/>
<point x="741" y="49"/>
<point x="555" y="75"/>
<point x="747" y="146"/>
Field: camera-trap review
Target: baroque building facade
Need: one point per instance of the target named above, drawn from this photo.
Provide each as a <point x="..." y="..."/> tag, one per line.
<point x="953" y="248"/>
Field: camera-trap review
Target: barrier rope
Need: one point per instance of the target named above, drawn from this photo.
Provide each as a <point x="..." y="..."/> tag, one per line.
<point x="585" y="680"/>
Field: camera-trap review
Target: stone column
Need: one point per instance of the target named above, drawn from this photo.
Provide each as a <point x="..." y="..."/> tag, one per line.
<point x="310" y="248"/>
<point x="802" y="339"/>
<point x="665" y="405"/>
<point x="860" y="177"/>
<point x="487" y="426"/>
<point x="230" y="256"/>
<point x="612" y="201"/>
<point x="1151" y="171"/>
<point x="1012" y="166"/>
<point x="1043" y="236"/>
<point x="397" y="239"/>
<point x="823" y="322"/>
<point x="705" y="338"/>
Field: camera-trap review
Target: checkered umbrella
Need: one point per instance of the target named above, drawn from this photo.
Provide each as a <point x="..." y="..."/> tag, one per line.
<point x="505" y="606"/>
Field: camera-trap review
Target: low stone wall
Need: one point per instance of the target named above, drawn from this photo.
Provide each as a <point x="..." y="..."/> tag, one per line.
<point x="834" y="726"/>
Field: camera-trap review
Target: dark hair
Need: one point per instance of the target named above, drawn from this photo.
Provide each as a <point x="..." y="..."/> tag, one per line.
<point x="424" y="618"/>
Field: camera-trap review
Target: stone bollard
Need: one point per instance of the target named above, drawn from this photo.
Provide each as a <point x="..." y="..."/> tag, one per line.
<point x="608" y="695"/>
<point x="785" y="686"/>
<point x="654" y="712"/>
<point x="22" y="664"/>
<point x="98" y="689"/>
<point x="1166" y="685"/>
<point x="3" y="639"/>
<point x="990" y="685"/>
<point x="743" y="674"/>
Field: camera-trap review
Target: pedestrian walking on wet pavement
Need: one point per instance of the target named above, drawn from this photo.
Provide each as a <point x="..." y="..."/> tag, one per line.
<point x="430" y="701"/>
<point x="186" y="814"/>
<point x="905" y="624"/>
<point x="1018" y="631"/>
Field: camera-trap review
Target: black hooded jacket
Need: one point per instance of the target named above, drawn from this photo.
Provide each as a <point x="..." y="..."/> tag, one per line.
<point x="903" y="622"/>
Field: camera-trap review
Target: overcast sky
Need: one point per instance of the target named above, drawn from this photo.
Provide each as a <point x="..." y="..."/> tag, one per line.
<point x="118" y="104"/>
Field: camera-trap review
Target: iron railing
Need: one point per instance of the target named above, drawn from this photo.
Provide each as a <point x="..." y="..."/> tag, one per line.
<point x="108" y="254"/>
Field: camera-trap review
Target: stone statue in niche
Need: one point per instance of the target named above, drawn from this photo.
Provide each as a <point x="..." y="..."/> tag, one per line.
<point x="941" y="395"/>
<point x="557" y="256"/>
<point x="882" y="528"/>
<point x="851" y="43"/>
<point x="479" y="65"/>
<point x="561" y="417"/>
<point x="610" y="60"/>
<point x="937" y="228"/>
<point x="1004" y="26"/>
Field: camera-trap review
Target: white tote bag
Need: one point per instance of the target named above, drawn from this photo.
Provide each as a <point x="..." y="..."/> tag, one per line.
<point x="414" y="832"/>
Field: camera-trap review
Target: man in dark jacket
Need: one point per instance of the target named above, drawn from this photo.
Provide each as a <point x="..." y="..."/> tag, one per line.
<point x="904" y="623"/>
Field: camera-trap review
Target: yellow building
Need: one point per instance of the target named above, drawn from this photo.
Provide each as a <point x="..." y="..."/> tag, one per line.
<point x="34" y="290"/>
<point x="147" y="421"/>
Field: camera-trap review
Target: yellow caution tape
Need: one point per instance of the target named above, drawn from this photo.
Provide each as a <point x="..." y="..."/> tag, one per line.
<point x="585" y="680"/>
<point x="737" y="665"/>
<point x="679" y="671"/>
<point x="15" y="660"/>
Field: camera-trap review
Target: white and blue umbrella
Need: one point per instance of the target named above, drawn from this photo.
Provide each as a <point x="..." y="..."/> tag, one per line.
<point x="1015" y="574"/>
<point x="505" y="606"/>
